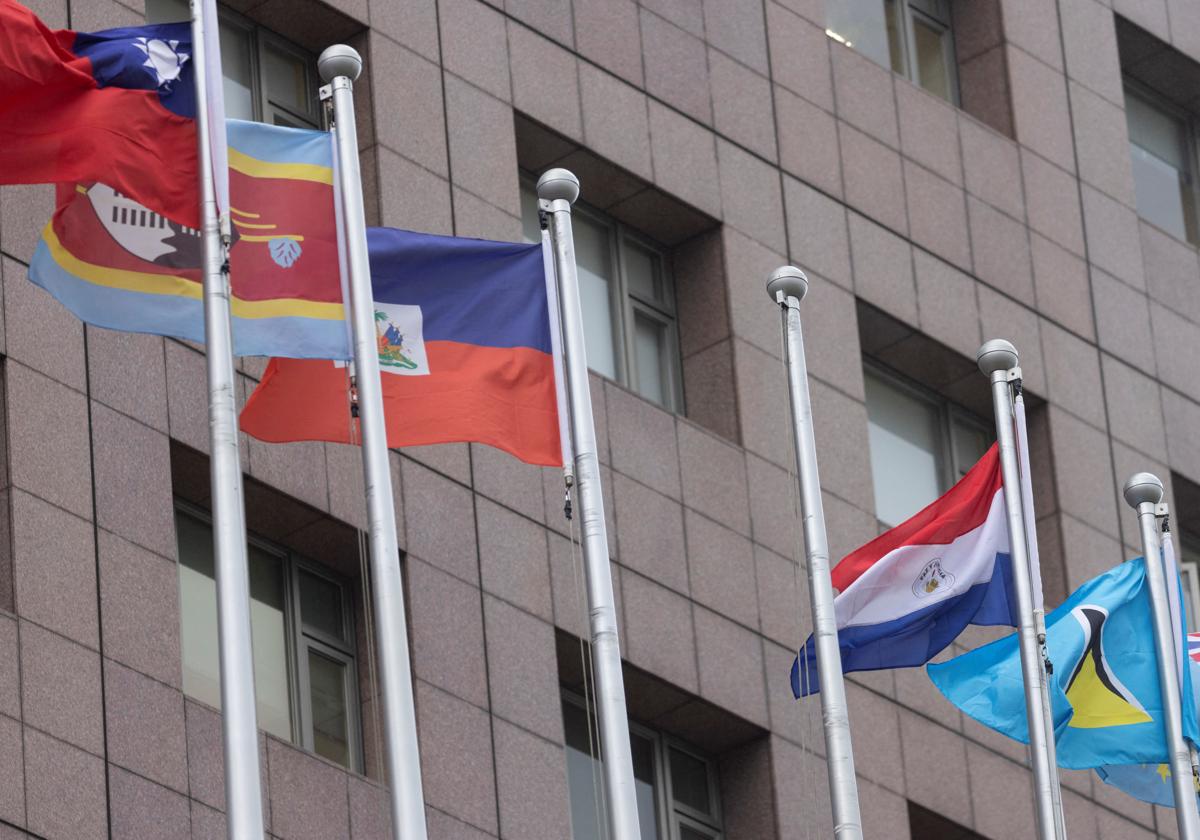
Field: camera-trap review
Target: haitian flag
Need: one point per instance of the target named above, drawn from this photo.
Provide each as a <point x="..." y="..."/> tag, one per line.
<point x="116" y="106"/>
<point x="904" y="596"/>
<point x="117" y="264"/>
<point x="465" y="352"/>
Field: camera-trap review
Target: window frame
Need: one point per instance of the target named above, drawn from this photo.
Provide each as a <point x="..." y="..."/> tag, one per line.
<point x="669" y="814"/>
<point x="937" y="15"/>
<point x="624" y="301"/>
<point x="949" y="413"/>
<point x="1191" y="151"/>
<point x="297" y="645"/>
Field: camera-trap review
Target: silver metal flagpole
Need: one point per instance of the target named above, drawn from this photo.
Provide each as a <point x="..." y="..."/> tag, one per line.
<point x="557" y="191"/>
<point x="998" y="361"/>
<point x="243" y="782"/>
<point x="339" y="66"/>
<point x="1143" y="493"/>
<point x="787" y="286"/>
<point x="1037" y="599"/>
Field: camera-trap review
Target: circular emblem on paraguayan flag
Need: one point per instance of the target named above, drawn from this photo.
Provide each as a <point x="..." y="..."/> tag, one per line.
<point x="933" y="580"/>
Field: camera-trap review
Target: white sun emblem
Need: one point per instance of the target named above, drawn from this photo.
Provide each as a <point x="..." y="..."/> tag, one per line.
<point x="162" y="58"/>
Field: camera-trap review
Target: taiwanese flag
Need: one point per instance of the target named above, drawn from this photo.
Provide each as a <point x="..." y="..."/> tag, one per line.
<point x="465" y="350"/>
<point x="116" y="106"/>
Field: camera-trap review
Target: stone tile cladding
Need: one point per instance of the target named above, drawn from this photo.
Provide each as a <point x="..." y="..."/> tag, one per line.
<point x="804" y="151"/>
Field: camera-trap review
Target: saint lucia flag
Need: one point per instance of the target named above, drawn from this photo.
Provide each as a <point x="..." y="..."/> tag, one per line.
<point x="1152" y="782"/>
<point x="1104" y="695"/>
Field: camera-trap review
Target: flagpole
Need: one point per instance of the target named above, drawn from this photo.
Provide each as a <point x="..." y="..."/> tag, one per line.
<point x="243" y="781"/>
<point x="1038" y="600"/>
<point x="787" y="286"/>
<point x="339" y="66"/>
<point x="557" y="191"/>
<point x="998" y="361"/>
<point x="1143" y="492"/>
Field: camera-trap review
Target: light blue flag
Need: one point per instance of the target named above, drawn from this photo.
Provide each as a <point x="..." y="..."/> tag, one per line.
<point x="1104" y="697"/>
<point x="1152" y="782"/>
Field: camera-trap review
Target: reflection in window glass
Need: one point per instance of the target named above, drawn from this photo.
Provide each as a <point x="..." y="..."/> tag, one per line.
<point x="327" y="679"/>
<point x="235" y="67"/>
<point x="862" y="25"/>
<point x="1162" y="169"/>
<point x="970" y="444"/>
<point x="649" y="346"/>
<point x="321" y="605"/>
<point x="287" y="82"/>
<point x="642" y="268"/>
<point x="198" y="627"/>
<point x="905" y="440"/>
<point x="583" y="779"/>
<point x="689" y="781"/>
<point x="593" y="257"/>
<point x="932" y="70"/>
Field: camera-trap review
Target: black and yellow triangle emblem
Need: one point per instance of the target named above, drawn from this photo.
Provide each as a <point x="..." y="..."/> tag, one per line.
<point x="1096" y="695"/>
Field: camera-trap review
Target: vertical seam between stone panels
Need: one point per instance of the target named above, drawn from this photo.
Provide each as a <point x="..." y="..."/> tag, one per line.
<point x="487" y="664"/>
<point x="1112" y="456"/>
<point x="908" y="231"/>
<point x="87" y="375"/>
<point x="843" y="201"/>
<point x="441" y="66"/>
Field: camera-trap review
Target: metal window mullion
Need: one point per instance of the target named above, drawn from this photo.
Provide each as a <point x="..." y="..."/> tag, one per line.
<point x="298" y="670"/>
<point x="626" y="316"/>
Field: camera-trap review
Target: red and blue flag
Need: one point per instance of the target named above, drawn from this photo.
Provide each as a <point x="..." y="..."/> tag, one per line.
<point x="116" y="106"/>
<point x="463" y="328"/>
<point x="905" y="595"/>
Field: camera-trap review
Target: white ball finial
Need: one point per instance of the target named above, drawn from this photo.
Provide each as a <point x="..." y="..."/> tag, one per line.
<point x="558" y="183"/>
<point x="789" y="280"/>
<point x="995" y="355"/>
<point x="1143" y="487"/>
<point x="339" y="60"/>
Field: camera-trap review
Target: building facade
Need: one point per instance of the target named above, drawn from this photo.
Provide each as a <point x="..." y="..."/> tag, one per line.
<point x="946" y="171"/>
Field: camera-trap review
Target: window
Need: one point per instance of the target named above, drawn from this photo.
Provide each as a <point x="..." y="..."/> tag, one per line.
<point x="924" y="824"/>
<point x="302" y="632"/>
<point x="266" y="79"/>
<point x="920" y="445"/>
<point x="628" y="303"/>
<point x="1187" y="548"/>
<point x="677" y="795"/>
<point x="1160" y="144"/>
<point x="912" y="37"/>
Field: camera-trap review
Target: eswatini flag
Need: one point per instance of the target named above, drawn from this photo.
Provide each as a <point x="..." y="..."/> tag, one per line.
<point x="908" y="593"/>
<point x="465" y="350"/>
<point x="117" y="264"/>
<point x="116" y="106"/>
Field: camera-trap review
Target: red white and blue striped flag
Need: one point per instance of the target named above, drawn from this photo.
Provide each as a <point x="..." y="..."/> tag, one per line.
<point x="904" y="596"/>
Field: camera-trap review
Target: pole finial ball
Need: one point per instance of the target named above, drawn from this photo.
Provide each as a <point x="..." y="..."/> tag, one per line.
<point x="1143" y="487"/>
<point x="339" y="60"/>
<point x="558" y="183"/>
<point x="995" y="355"/>
<point x="789" y="280"/>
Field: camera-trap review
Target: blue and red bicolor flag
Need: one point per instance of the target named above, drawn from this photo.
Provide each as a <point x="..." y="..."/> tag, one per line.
<point x="116" y="106"/>
<point x="465" y="349"/>
<point x="117" y="264"/>
<point x="905" y="595"/>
